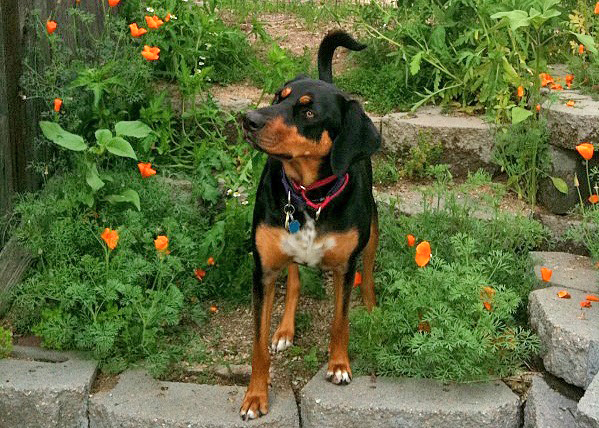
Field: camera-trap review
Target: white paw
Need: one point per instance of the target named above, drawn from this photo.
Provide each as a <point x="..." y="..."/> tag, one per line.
<point x="339" y="377"/>
<point x="281" y="344"/>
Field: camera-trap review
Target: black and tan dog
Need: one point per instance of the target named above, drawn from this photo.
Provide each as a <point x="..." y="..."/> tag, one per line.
<point x="314" y="206"/>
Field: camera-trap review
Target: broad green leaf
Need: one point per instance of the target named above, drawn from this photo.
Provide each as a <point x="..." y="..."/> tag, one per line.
<point x="103" y="136"/>
<point x="87" y="199"/>
<point x="120" y="147"/>
<point x="415" y="63"/>
<point x="53" y="132"/>
<point x="93" y="178"/>
<point x="516" y="18"/>
<point x="519" y="114"/>
<point x="560" y="184"/>
<point x="128" y="195"/>
<point x="587" y="41"/>
<point x="133" y="128"/>
<point x="509" y="71"/>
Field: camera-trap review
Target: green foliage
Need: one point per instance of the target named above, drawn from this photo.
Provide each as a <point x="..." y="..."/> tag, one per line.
<point x="421" y="156"/>
<point x="431" y="321"/>
<point x="5" y="342"/>
<point x="522" y="151"/>
<point x="106" y="142"/>
<point x="384" y="170"/>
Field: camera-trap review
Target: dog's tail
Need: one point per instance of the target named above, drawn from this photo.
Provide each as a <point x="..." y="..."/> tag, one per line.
<point x="327" y="47"/>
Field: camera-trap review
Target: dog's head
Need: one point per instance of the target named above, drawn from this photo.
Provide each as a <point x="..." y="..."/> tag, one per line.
<point x="311" y="122"/>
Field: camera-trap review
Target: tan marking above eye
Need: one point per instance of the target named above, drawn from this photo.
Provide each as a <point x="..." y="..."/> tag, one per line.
<point x="305" y="99"/>
<point x="285" y="92"/>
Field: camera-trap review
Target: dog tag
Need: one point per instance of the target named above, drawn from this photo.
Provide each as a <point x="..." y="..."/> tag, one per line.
<point x="294" y="226"/>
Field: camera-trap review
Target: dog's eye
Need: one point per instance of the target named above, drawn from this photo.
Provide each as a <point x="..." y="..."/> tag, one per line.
<point x="309" y="114"/>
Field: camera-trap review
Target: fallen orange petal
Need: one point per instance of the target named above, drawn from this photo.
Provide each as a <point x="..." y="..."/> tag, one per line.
<point x="585" y="304"/>
<point x="546" y="274"/>
<point x="213" y="309"/>
<point x="592" y="298"/>
<point x="570" y="103"/>
<point x="563" y="294"/>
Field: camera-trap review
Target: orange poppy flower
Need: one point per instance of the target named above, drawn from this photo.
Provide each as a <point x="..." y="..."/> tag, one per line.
<point x="592" y="298"/>
<point x="213" y="309"/>
<point x="581" y="49"/>
<point x="538" y="107"/>
<point x="110" y="237"/>
<point x="520" y="91"/>
<point x="586" y="150"/>
<point x="546" y="274"/>
<point x="563" y="294"/>
<point x="136" y="31"/>
<point x="161" y="243"/>
<point x="51" y="26"/>
<point x="423" y="253"/>
<point x="113" y="3"/>
<point x="146" y="169"/>
<point x="593" y="199"/>
<point x="546" y="79"/>
<point x="200" y="273"/>
<point x="57" y="104"/>
<point x="585" y="304"/>
<point x="570" y="103"/>
<point x="151" y="53"/>
<point x="211" y="261"/>
<point x="569" y="80"/>
<point x="154" y="22"/>
<point x="357" y="279"/>
<point x="167" y="18"/>
<point x="411" y="240"/>
<point x="596" y="8"/>
<point x="487" y="306"/>
<point x="556" y="87"/>
<point x="489" y="291"/>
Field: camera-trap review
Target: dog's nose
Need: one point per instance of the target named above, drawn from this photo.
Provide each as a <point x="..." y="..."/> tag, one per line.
<point x="253" y="121"/>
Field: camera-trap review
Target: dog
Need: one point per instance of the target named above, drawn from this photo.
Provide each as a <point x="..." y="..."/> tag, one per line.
<point x="314" y="206"/>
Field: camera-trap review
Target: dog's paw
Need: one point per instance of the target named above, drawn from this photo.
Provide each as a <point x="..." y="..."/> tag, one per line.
<point x="339" y="374"/>
<point x="254" y="405"/>
<point x="281" y="340"/>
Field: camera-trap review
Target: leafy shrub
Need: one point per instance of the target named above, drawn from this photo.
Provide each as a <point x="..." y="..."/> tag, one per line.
<point x="433" y="321"/>
<point x="5" y="342"/>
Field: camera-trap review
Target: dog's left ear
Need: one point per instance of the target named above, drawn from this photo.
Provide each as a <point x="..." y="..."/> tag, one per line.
<point x="358" y="138"/>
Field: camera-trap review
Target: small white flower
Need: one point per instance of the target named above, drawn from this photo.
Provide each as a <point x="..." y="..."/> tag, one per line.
<point x="229" y="191"/>
<point x="208" y="45"/>
<point x="203" y="58"/>
<point x="23" y="97"/>
<point x="149" y="9"/>
<point x="200" y="62"/>
<point x="173" y="17"/>
<point x="244" y="203"/>
<point x="236" y="194"/>
<point x="185" y="1"/>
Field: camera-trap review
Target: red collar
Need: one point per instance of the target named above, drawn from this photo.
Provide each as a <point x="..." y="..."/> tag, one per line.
<point x="332" y="194"/>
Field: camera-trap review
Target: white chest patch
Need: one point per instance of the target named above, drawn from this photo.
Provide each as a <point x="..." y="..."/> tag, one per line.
<point x="304" y="246"/>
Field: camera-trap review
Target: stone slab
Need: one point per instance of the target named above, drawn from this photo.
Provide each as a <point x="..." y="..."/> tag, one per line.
<point x="569" y="270"/>
<point x="140" y="401"/>
<point x="45" y="394"/>
<point x="570" y="126"/>
<point x="569" y="342"/>
<point x="467" y="141"/>
<point x="548" y="408"/>
<point x="405" y="402"/>
<point x="588" y="406"/>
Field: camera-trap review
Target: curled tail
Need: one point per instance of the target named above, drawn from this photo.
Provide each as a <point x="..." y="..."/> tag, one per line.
<point x="327" y="47"/>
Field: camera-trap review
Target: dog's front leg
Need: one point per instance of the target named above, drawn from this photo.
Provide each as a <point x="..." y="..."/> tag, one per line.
<point x="338" y="370"/>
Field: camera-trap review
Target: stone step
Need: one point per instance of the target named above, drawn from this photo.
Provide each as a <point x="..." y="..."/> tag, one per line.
<point x="547" y="407"/>
<point x="569" y="335"/>
<point x="386" y="402"/>
<point x="569" y="270"/>
<point x="588" y="406"/>
<point x="140" y="401"/>
<point x="45" y="394"/>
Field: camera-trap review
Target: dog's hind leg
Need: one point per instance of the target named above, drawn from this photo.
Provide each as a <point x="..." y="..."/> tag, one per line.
<point x="369" y="254"/>
<point x="283" y="337"/>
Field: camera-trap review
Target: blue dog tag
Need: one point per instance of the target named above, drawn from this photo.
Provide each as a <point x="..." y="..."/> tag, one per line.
<point x="294" y="226"/>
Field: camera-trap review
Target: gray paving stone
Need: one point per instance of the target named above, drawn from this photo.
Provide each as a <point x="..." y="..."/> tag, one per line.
<point x="570" y="126"/>
<point x="467" y="141"/>
<point x="569" y="270"/>
<point x="588" y="406"/>
<point x="45" y="394"/>
<point x="569" y="343"/>
<point x="140" y="401"/>
<point x="548" y="408"/>
<point x="407" y="403"/>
